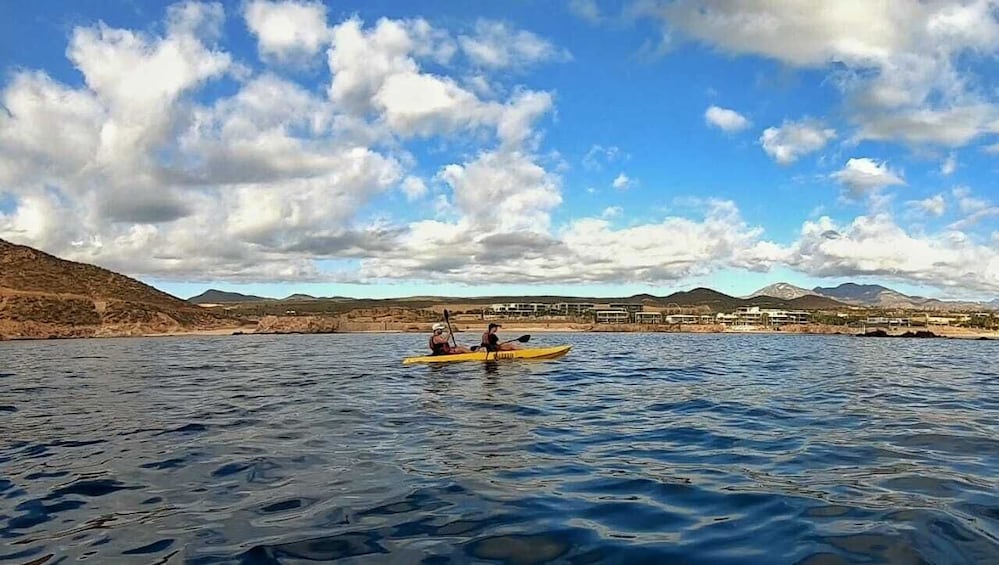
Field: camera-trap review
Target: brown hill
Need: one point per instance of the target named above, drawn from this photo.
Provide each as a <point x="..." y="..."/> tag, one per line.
<point x="717" y="301"/>
<point x="44" y="296"/>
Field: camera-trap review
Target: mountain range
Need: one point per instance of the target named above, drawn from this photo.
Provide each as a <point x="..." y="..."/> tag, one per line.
<point x="778" y="295"/>
<point x="871" y="296"/>
<point x="44" y="296"/>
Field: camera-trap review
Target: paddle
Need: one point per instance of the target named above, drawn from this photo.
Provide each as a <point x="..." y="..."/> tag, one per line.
<point x="521" y="339"/>
<point x="447" y="319"/>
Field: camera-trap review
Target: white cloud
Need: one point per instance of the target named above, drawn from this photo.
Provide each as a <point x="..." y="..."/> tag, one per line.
<point x="598" y="156"/>
<point x="377" y="71"/>
<point x="725" y="119"/>
<point x="949" y="166"/>
<point x="495" y="45"/>
<point x="974" y="208"/>
<point x="935" y="205"/>
<point x="864" y="175"/>
<point x="140" y="177"/>
<point x="289" y="29"/>
<point x="503" y="191"/>
<point x="586" y="9"/>
<point x="898" y="62"/>
<point x="792" y="140"/>
<point x="666" y="251"/>
<point x="993" y="149"/>
<point x="362" y="60"/>
<point x="877" y="246"/>
<point x="612" y="212"/>
<point x="952" y="127"/>
<point x="622" y="182"/>
<point x="414" y="188"/>
<point x="966" y="202"/>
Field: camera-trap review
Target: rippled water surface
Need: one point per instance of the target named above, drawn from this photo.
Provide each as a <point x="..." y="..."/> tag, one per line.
<point x="633" y="448"/>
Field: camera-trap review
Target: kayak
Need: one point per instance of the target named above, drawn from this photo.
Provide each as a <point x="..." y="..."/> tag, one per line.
<point x="536" y="353"/>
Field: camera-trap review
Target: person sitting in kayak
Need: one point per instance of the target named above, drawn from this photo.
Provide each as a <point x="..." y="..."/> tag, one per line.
<point x="440" y="345"/>
<point x="490" y="341"/>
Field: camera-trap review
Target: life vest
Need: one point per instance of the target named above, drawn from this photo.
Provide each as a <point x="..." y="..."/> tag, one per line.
<point x="438" y="348"/>
<point x="490" y="341"/>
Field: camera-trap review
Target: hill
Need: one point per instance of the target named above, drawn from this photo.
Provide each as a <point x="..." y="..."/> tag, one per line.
<point x="717" y="301"/>
<point x="44" y="296"/>
<point x="783" y="290"/>
<point x="212" y="296"/>
<point x="860" y="294"/>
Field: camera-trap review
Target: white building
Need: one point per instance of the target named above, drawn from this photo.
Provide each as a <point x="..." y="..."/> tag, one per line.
<point x="648" y="317"/>
<point x="612" y="317"/>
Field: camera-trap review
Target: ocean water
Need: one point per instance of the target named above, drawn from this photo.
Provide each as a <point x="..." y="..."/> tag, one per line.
<point x="635" y="448"/>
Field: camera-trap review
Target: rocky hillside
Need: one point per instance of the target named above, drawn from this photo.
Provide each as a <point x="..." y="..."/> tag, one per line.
<point x="783" y="290"/>
<point x="43" y="296"/>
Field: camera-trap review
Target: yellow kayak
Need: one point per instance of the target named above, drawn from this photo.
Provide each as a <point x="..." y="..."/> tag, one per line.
<point x="537" y="353"/>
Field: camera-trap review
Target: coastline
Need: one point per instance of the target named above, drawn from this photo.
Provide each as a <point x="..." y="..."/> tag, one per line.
<point x="472" y="330"/>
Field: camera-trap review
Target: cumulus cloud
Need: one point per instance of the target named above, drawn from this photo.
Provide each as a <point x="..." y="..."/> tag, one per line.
<point x="669" y="250"/>
<point x="287" y="30"/>
<point x="611" y="212"/>
<point x="934" y="205"/>
<point x="725" y="119"/>
<point x="132" y="172"/>
<point x="864" y="175"/>
<point x="898" y="62"/>
<point x="792" y="140"/>
<point x="414" y="188"/>
<point x="622" y="182"/>
<point x="496" y="45"/>
<point x="143" y="169"/>
<point x="377" y="70"/>
<point x="877" y="246"/>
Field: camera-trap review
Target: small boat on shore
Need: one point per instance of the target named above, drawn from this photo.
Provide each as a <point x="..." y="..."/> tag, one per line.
<point x="539" y="353"/>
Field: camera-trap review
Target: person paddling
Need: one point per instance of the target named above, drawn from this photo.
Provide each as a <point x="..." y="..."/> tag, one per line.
<point x="490" y="341"/>
<point x="440" y="345"/>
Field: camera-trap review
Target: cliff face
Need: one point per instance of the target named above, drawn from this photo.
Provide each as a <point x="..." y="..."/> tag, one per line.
<point x="44" y="296"/>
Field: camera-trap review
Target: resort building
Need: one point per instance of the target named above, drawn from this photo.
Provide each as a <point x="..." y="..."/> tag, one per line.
<point x="629" y="307"/>
<point x="520" y="309"/>
<point x="572" y="308"/>
<point x="767" y="317"/>
<point x="612" y="317"/>
<point x="648" y="317"/>
<point x="682" y="319"/>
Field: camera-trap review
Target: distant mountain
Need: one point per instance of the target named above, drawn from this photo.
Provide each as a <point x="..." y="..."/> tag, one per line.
<point x="299" y="298"/>
<point x="877" y="296"/>
<point x="213" y="296"/>
<point x="44" y="296"/>
<point x="853" y="293"/>
<point x="783" y="290"/>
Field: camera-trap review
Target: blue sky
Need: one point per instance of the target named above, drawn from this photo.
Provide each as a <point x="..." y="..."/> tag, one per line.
<point x="580" y="147"/>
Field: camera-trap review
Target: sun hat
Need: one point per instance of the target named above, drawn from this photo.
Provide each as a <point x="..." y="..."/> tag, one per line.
<point x="439" y="326"/>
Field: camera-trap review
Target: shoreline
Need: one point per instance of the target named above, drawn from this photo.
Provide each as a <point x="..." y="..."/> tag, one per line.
<point x="936" y="332"/>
